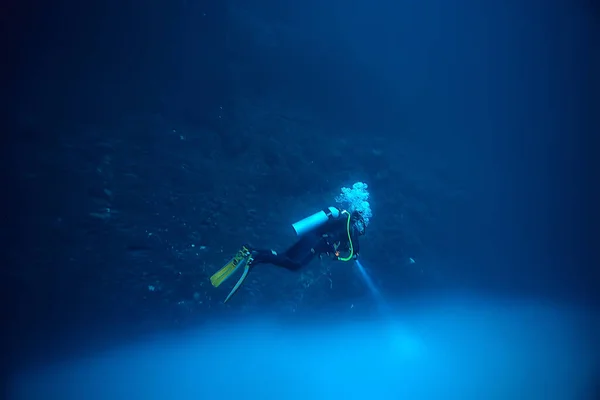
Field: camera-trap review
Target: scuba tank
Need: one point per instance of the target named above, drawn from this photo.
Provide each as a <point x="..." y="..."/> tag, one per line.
<point x="316" y="220"/>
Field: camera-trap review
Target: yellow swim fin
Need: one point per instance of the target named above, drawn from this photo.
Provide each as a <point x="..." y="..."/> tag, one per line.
<point x="246" y="263"/>
<point x="228" y="269"/>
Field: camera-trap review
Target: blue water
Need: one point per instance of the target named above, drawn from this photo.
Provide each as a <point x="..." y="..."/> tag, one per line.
<point x="372" y="287"/>
<point x="459" y="347"/>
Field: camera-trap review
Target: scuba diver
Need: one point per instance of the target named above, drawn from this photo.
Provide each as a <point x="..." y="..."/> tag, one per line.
<point x="338" y="234"/>
<point x="331" y="232"/>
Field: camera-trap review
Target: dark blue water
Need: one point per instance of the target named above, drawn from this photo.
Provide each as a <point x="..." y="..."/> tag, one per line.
<point x="146" y="142"/>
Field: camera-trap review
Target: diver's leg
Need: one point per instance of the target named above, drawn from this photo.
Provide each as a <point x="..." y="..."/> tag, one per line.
<point x="271" y="257"/>
<point x="294" y="258"/>
<point x="304" y="251"/>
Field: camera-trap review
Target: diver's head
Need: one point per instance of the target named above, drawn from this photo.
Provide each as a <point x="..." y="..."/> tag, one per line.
<point x="358" y="221"/>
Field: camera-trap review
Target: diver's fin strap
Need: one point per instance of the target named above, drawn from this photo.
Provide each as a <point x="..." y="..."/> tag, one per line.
<point x="228" y="269"/>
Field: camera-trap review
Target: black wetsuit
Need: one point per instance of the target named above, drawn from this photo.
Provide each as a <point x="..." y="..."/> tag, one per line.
<point x="327" y="239"/>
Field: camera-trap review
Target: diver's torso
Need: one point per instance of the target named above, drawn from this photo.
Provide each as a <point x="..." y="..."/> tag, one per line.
<point x="335" y="233"/>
